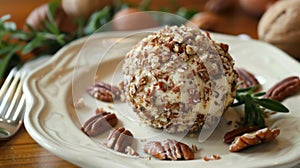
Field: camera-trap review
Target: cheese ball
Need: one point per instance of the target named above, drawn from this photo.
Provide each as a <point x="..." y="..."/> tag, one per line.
<point x="178" y="78"/>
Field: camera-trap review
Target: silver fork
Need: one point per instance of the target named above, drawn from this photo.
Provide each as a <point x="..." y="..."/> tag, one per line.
<point x="12" y="104"/>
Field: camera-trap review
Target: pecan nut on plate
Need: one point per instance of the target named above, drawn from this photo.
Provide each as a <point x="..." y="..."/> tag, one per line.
<point x="169" y="150"/>
<point x="246" y="79"/>
<point x="231" y="135"/>
<point x="104" y="92"/>
<point x="119" y="139"/>
<point x="99" y="123"/>
<point x="254" y="138"/>
<point x="284" y="89"/>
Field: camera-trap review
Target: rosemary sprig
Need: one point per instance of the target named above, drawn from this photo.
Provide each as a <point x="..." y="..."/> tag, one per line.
<point x="255" y="106"/>
<point x="17" y="43"/>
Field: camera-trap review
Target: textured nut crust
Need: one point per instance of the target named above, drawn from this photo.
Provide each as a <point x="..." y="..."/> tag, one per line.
<point x="231" y="135"/>
<point x="251" y="139"/>
<point x="99" y="123"/>
<point x="104" y="92"/>
<point x="173" y="77"/>
<point x="246" y="79"/>
<point x="119" y="139"/>
<point x="169" y="150"/>
<point x="285" y="88"/>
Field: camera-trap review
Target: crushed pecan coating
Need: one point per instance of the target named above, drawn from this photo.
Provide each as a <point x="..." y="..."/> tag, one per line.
<point x="104" y="92"/>
<point x="119" y="139"/>
<point x="283" y="89"/>
<point x="182" y="68"/>
<point x="99" y="123"/>
<point x="169" y="150"/>
<point x="212" y="157"/>
<point x="254" y="138"/>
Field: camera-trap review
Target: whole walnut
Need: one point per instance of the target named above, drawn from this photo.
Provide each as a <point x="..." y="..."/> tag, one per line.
<point x="36" y="18"/>
<point x="219" y="6"/>
<point x="133" y="19"/>
<point x="207" y="21"/>
<point x="83" y="8"/>
<point x="280" y="26"/>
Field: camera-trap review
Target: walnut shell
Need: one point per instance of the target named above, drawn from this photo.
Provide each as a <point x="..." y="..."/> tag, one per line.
<point x="280" y="26"/>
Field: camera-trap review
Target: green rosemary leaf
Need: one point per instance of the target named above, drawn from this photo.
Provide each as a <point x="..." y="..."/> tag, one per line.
<point x="144" y="5"/>
<point x="97" y="20"/>
<point x="36" y="42"/>
<point x="272" y="105"/>
<point x="254" y="107"/>
<point x="3" y="131"/>
<point x="236" y="104"/>
<point x="7" y="58"/>
<point x="31" y="29"/>
<point x="248" y="120"/>
<point x="61" y="39"/>
<point x="51" y="24"/>
<point x="52" y="27"/>
<point x="4" y="18"/>
<point x="5" y="49"/>
<point x="261" y="118"/>
<point x="240" y="98"/>
<point x="21" y="35"/>
<point x="259" y="94"/>
<point x="10" y="26"/>
<point x="186" y="13"/>
<point x="244" y="90"/>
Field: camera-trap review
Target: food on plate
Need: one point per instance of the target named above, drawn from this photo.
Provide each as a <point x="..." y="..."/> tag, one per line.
<point x="250" y="139"/>
<point x="173" y="77"/>
<point x="246" y="79"/>
<point x="119" y="139"/>
<point x="231" y="135"/>
<point x="280" y="26"/>
<point x="104" y="92"/>
<point x="99" y="123"/>
<point x="283" y="89"/>
<point x="169" y="150"/>
<point x="212" y="157"/>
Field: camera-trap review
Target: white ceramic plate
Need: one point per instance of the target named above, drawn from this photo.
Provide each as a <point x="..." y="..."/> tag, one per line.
<point x="54" y="122"/>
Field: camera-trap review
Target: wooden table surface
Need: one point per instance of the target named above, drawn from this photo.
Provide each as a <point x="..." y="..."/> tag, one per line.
<point x="22" y="150"/>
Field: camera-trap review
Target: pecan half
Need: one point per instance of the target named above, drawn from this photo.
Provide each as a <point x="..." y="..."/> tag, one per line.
<point x="251" y="139"/>
<point x="169" y="150"/>
<point x="104" y="91"/>
<point x="119" y="139"/>
<point x="231" y="135"/>
<point x="283" y="89"/>
<point x="99" y="123"/>
<point x="246" y="79"/>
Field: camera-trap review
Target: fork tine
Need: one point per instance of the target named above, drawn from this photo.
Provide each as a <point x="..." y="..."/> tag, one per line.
<point x="7" y="81"/>
<point x="19" y="109"/>
<point x="16" y="100"/>
<point x="9" y="94"/>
